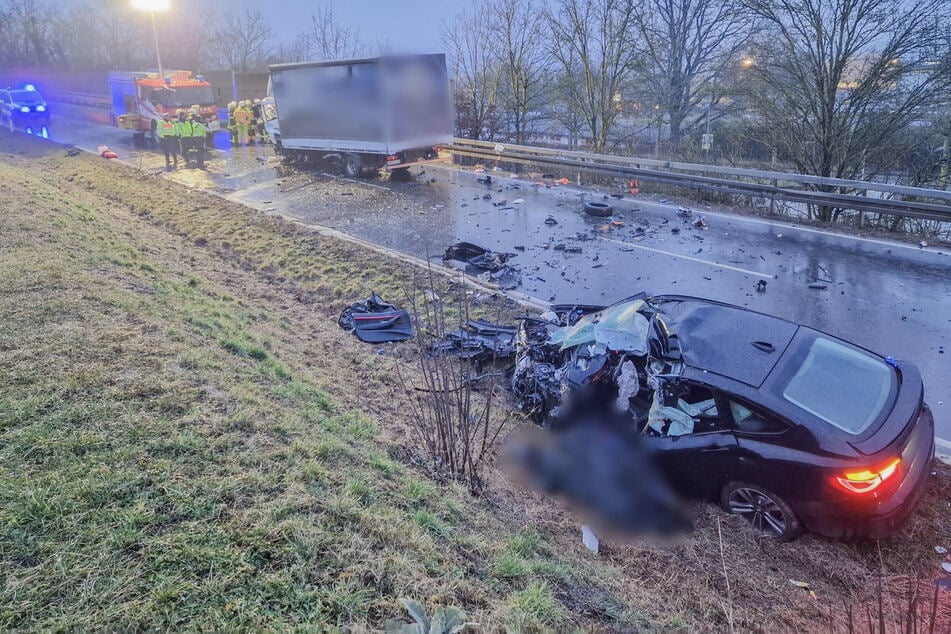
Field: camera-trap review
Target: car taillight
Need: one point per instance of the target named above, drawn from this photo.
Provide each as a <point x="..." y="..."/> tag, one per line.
<point x="867" y="480"/>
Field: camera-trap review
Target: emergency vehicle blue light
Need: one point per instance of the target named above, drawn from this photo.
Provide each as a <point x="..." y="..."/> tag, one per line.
<point x="29" y="87"/>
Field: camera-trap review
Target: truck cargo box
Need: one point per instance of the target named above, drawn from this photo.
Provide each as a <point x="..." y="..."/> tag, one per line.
<point x="375" y="106"/>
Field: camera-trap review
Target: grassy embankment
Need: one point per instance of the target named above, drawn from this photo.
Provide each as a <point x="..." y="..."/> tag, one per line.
<point x="188" y="440"/>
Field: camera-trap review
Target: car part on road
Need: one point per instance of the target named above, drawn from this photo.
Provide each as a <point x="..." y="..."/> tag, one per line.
<point x="598" y="209"/>
<point x="490" y="267"/>
<point x="376" y="321"/>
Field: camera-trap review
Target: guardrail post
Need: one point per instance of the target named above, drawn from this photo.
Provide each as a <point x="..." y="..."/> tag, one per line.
<point x="772" y="200"/>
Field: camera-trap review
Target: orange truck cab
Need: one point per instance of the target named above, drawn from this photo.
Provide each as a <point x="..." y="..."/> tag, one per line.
<point x="140" y="98"/>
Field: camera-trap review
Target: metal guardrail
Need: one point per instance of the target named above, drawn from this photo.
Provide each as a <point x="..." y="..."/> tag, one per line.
<point x="79" y="99"/>
<point x="891" y="199"/>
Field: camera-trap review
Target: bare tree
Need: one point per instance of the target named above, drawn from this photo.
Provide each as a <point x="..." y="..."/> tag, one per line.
<point x="518" y="35"/>
<point x="840" y="81"/>
<point x="241" y="39"/>
<point x="28" y="34"/>
<point x="477" y="69"/>
<point x="687" y="45"/>
<point x="590" y="42"/>
<point x="326" y="38"/>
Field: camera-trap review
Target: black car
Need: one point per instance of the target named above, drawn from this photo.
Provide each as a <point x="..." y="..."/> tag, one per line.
<point x="23" y="108"/>
<point x="786" y="426"/>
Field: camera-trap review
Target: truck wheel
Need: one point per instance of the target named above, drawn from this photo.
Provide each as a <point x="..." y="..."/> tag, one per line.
<point x="352" y="165"/>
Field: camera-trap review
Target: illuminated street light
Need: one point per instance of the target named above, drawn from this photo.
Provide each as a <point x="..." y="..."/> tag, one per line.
<point x="152" y="6"/>
<point x="747" y="62"/>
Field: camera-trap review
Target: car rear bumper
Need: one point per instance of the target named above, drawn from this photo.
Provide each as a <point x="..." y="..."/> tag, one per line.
<point x="837" y="521"/>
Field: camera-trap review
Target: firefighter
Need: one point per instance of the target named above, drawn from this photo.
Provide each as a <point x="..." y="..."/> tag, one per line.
<point x="169" y="139"/>
<point x="199" y="132"/>
<point x="258" y="109"/>
<point x="183" y="133"/>
<point x="232" y="125"/>
<point x="253" y="126"/>
<point x="242" y="118"/>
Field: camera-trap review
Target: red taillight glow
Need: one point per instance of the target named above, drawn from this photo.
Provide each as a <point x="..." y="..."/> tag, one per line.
<point x="867" y="480"/>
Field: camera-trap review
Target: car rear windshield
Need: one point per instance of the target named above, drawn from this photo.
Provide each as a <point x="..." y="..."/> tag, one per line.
<point x="842" y="386"/>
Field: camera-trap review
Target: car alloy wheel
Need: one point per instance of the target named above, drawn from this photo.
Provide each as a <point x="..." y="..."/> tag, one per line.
<point x="766" y="512"/>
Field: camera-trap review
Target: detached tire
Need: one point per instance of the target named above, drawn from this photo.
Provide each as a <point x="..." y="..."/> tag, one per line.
<point x="600" y="210"/>
<point x="767" y="513"/>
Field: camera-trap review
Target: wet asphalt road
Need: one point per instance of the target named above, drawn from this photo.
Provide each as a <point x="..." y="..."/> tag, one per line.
<point x="890" y="297"/>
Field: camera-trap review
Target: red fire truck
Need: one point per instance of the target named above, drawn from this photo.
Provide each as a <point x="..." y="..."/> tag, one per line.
<point x="140" y="98"/>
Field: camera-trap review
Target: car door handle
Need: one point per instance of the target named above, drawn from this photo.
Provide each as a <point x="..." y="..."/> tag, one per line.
<point x="715" y="449"/>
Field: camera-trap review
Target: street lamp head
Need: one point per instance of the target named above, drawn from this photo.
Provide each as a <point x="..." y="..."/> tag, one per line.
<point x="150" y="5"/>
<point x="748" y="62"/>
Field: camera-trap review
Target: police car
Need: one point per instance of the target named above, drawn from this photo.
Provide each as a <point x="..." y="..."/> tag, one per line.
<point x="23" y="108"/>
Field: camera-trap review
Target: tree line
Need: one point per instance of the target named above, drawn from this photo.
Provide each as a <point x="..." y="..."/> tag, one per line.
<point x="110" y="34"/>
<point x="840" y="88"/>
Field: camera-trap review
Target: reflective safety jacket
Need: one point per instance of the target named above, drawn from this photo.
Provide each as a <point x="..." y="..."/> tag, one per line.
<point x="198" y="128"/>
<point x="183" y="129"/>
<point x="243" y="116"/>
<point x="165" y="129"/>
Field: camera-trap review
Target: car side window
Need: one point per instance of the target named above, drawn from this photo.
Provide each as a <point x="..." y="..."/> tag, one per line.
<point x="684" y="408"/>
<point x="750" y="419"/>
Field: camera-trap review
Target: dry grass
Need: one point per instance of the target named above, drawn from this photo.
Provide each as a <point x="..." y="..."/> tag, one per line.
<point x="188" y="440"/>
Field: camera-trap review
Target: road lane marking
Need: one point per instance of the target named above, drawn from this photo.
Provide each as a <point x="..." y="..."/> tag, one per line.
<point x="690" y="258"/>
<point x="942" y="443"/>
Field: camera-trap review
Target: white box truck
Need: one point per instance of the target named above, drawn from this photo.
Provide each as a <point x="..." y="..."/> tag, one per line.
<point x="362" y="115"/>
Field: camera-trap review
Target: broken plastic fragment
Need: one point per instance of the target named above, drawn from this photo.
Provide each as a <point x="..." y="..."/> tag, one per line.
<point x="589" y="539"/>
<point x="941" y="550"/>
<point x="627" y="385"/>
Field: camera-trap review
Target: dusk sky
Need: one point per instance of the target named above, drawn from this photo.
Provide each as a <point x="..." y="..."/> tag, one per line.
<point x="413" y="24"/>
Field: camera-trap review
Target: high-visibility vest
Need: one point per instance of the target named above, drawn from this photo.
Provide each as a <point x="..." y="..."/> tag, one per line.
<point x="182" y="129"/>
<point x="165" y="129"/>
<point x="198" y="128"/>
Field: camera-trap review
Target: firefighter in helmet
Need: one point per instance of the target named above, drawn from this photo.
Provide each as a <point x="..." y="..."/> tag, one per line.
<point x="169" y="139"/>
<point x="232" y="125"/>
<point x="199" y="133"/>
<point x="258" y="110"/>
<point x="242" y="118"/>
<point x="253" y="126"/>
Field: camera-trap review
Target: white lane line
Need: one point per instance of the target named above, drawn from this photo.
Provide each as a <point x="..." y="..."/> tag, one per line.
<point x="691" y="258"/>
<point x="942" y="443"/>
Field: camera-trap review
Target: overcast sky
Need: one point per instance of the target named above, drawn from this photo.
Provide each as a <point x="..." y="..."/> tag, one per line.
<point x="404" y="24"/>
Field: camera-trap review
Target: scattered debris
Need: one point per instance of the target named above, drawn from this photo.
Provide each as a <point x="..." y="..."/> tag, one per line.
<point x="72" y="150"/>
<point x="376" y="321"/>
<point x="550" y="221"/>
<point x="941" y="550"/>
<point x="490" y="266"/>
<point x="431" y="295"/>
<point x="922" y="244"/>
<point x="589" y="539"/>
<point x="518" y="201"/>
<point x="761" y="286"/>
<point x="818" y="286"/>
<point x="485" y="180"/>
<point x="700" y="223"/>
<point x="675" y="230"/>
<point x="478" y="341"/>
<point x="686" y="212"/>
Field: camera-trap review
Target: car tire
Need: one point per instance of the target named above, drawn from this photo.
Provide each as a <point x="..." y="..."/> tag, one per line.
<point x="767" y="513"/>
<point x="352" y="166"/>
<point x="600" y="210"/>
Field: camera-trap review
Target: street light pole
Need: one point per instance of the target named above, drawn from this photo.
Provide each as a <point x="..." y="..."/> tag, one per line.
<point x="158" y="55"/>
<point x="152" y="6"/>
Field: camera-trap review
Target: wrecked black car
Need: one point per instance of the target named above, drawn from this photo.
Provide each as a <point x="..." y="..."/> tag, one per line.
<point x="786" y="426"/>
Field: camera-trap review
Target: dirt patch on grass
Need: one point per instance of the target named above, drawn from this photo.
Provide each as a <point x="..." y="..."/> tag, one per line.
<point x="187" y="439"/>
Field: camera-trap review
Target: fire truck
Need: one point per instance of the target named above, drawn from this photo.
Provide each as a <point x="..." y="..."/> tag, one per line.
<point x="140" y="98"/>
